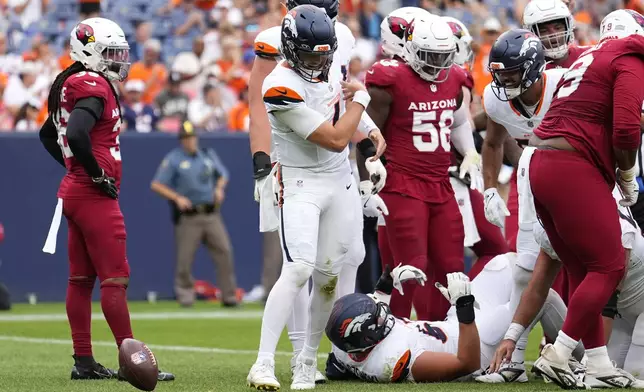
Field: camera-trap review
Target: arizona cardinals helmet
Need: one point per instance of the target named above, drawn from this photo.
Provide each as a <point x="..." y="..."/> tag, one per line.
<point x="101" y="46"/>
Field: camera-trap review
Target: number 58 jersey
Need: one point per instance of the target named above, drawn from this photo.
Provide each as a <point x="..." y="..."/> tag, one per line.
<point x="391" y="360"/>
<point x="104" y="136"/>
<point x="417" y="129"/>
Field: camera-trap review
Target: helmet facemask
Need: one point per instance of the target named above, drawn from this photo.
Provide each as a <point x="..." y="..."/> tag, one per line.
<point x="371" y="336"/>
<point x="431" y="65"/>
<point x="312" y="65"/>
<point x="556" y="35"/>
<point x="509" y="83"/>
<point x="115" y="62"/>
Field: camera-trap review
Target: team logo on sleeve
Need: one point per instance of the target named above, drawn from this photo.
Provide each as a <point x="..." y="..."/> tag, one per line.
<point x="85" y="33"/>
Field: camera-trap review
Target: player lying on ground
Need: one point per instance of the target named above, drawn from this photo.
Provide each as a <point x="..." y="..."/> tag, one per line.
<point x="82" y="134"/>
<point x="373" y="345"/>
<point x="626" y="344"/>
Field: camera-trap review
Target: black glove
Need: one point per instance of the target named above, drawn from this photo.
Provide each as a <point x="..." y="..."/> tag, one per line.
<point x="107" y="185"/>
<point x="385" y="283"/>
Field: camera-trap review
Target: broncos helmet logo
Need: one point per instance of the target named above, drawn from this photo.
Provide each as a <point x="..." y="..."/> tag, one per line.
<point x="456" y="29"/>
<point x="85" y="33"/>
<point x="530" y="46"/>
<point x="637" y="16"/>
<point x="398" y="26"/>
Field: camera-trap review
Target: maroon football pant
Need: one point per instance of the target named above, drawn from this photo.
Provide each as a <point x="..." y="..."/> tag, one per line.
<point x="429" y="237"/>
<point x="512" y="221"/>
<point x="96" y="242"/>
<point x="492" y="242"/>
<point x="584" y="232"/>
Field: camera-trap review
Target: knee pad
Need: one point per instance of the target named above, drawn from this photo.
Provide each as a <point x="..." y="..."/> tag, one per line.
<point x="296" y="272"/>
<point x="638" y="331"/>
<point x="610" y="310"/>
<point x="521" y="276"/>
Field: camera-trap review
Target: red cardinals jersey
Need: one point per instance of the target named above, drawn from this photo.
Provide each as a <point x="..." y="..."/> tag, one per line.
<point x="598" y="102"/>
<point x="574" y="52"/>
<point x="104" y="136"/>
<point x="417" y="130"/>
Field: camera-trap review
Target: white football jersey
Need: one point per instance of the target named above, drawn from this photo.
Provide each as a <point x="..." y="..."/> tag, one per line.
<point x="633" y="284"/>
<point x="506" y="114"/>
<point x="391" y="360"/>
<point x="268" y="46"/>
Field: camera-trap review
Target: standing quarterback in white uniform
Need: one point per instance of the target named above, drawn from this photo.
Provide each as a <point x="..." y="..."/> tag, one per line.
<point x="515" y="103"/>
<point x="371" y="344"/>
<point x="268" y="51"/>
<point x="315" y="182"/>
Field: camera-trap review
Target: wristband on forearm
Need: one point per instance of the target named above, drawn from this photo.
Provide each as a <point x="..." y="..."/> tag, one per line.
<point x="261" y="165"/>
<point x="465" y="309"/>
<point x="366" y="147"/>
<point x="362" y="97"/>
<point x="385" y="283"/>
<point x="514" y="332"/>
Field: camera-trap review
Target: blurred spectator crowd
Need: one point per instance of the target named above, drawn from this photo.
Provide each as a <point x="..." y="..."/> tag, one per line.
<point x="192" y="58"/>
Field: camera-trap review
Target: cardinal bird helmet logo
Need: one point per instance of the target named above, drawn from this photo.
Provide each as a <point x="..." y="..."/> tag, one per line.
<point x="85" y="33"/>
<point x="398" y="26"/>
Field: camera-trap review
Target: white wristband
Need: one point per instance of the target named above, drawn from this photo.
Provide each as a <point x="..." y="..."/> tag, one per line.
<point x="628" y="175"/>
<point x="362" y="97"/>
<point x="514" y="332"/>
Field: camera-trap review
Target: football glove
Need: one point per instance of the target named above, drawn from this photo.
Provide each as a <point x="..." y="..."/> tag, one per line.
<point x="495" y="208"/>
<point x="372" y="205"/>
<point x="107" y="185"/>
<point x="404" y="273"/>
<point x="472" y="165"/>
<point x="627" y="183"/>
<point x="458" y="285"/>
<point x="377" y="174"/>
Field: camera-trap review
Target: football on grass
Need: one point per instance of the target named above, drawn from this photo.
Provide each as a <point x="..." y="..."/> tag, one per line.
<point x="138" y="365"/>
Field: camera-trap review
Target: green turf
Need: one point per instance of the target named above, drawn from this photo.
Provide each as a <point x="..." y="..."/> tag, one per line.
<point x="36" y="356"/>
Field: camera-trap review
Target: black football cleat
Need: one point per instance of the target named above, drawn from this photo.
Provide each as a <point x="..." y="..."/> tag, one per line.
<point x="163" y="376"/>
<point x="85" y="368"/>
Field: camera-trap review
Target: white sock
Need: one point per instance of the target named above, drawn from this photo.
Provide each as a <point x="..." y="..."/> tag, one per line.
<point x="322" y="299"/>
<point x="598" y="358"/>
<point x="299" y="319"/>
<point x="518" y="355"/>
<point x="279" y="306"/>
<point x="347" y="280"/>
<point x="520" y="279"/>
<point x="634" y="362"/>
<point x="564" y="346"/>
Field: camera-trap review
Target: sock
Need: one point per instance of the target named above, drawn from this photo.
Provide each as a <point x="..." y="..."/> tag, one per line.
<point x="583" y="320"/>
<point x="279" y="306"/>
<point x="519" y="352"/>
<point x="114" y="306"/>
<point x="598" y="358"/>
<point x="298" y="320"/>
<point x="634" y="362"/>
<point x="79" y="313"/>
<point x="564" y="345"/>
<point x="322" y="299"/>
<point x="552" y="316"/>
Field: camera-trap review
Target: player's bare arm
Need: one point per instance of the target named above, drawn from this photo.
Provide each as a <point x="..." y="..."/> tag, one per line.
<point x="512" y="151"/>
<point x="492" y="153"/>
<point x="49" y="139"/>
<point x="260" y="128"/>
<point x="532" y="300"/>
<point x="480" y="120"/>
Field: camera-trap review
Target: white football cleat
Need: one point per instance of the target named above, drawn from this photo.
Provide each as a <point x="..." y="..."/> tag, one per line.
<point x="610" y="378"/>
<point x="319" y="377"/>
<point x="304" y="373"/>
<point x="555" y="368"/>
<point x="262" y="376"/>
<point x="510" y="372"/>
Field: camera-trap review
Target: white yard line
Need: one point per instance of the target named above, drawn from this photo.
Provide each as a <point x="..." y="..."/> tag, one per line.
<point x="240" y="314"/>
<point x="160" y="347"/>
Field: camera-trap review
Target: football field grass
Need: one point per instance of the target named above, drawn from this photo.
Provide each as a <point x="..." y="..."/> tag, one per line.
<point x="207" y="347"/>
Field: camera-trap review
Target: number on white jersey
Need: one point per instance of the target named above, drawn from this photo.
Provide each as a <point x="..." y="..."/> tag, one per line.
<point x="422" y="126"/>
<point x="575" y="74"/>
<point x="62" y="134"/>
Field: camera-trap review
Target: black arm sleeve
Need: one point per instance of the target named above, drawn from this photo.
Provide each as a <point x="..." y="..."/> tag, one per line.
<point x="49" y="139"/>
<point x="79" y="125"/>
